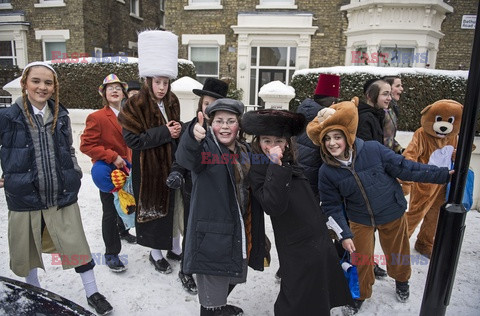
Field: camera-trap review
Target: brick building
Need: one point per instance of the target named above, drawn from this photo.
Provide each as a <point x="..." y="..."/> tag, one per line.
<point x="34" y="30"/>
<point x="258" y="41"/>
<point x="251" y="41"/>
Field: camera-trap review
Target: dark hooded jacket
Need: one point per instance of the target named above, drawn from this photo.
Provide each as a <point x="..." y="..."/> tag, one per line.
<point x="308" y="153"/>
<point x="370" y="122"/>
<point x="368" y="187"/>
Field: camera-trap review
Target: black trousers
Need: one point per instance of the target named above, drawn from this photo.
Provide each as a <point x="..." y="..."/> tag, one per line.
<point x="110" y="231"/>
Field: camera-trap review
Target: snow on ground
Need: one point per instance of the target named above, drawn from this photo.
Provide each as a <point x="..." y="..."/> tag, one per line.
<point x="143" y="291"/>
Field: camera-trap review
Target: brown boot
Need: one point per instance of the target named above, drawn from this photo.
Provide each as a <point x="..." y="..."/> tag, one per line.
<point x="423" y="250"/>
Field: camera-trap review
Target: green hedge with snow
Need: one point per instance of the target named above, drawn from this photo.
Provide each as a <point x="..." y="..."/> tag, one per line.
<point x="421" y="88"/>
<point x="79" y="81"/>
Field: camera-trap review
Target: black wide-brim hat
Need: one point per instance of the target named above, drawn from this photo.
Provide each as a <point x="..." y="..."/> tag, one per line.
<point x="280" y="123"/>
<point x="213" y="87"/>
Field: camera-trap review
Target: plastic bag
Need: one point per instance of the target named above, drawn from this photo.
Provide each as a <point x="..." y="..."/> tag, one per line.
<point x="467" y="199"/>
<point x="351" y="273"/>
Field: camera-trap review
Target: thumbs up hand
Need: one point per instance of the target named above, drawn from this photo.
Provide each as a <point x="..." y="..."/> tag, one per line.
<point x="198" y="130"/>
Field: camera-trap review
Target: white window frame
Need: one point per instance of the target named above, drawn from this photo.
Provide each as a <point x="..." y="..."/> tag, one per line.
<point x="51" y="36"/>
<point x="217" y="75"/>
<point x="210" y="5"/>
<point x="6" y="6"/>
<point x="49" y="4"/>
<point x="135" y="9"/>
<point x="13" y="56"/>
<point x="204" y="40"/>
<point x="276" y="4"/>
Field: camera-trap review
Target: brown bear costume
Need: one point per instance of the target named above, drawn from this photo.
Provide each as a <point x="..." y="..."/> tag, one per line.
<point x="440" y="124"/>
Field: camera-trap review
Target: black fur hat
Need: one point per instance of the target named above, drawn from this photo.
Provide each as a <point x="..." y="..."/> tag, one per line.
<point x="272" y="122"/>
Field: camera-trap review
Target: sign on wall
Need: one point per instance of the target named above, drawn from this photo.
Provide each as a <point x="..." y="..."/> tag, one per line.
<point x="469" y="21"/>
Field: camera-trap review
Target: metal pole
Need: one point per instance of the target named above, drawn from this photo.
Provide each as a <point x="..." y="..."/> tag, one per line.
<point x="451" y="221"/>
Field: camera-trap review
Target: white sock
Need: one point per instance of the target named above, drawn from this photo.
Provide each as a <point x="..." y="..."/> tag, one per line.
<point x="176" y="245"/>
<point x="89" y="283"/>
<point x="32" y="278"/>
<point x="156" y="254"/>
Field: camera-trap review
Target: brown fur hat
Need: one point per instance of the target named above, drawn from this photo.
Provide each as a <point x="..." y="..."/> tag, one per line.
<point x="442" y="118"/>
<point x="342" y="116"/>
<point x="280" y="123"/>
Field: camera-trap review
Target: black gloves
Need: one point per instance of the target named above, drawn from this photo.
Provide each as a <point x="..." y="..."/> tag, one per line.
<point x="175" y="180"/>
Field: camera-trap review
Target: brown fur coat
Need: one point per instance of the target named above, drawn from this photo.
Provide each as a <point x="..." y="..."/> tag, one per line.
<point x="139" y="114"/>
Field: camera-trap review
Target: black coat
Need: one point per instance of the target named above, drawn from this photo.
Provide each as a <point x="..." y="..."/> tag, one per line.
<point x="308" y="153"/>
<point x="157" y="233"/>
<point x="312" y="279"/>
<point x="215" y="234"/>
<point x="370" y="122"/>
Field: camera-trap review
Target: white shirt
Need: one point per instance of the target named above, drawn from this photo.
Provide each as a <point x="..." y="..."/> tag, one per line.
<point x="162" y="109"/>
<point x="114" y="110"/>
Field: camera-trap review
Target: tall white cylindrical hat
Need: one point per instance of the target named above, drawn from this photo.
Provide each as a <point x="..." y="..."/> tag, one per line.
<point x="158" y="54"/>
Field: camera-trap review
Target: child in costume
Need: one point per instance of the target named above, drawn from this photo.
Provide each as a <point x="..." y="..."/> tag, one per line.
<point x="41" y="181"/>
<point x="224" y="232"/>
<point x="312" y="279"/>
<point x="102" y="140"/>
<point x="151" y="128"/>
<point x="362" y="178"/>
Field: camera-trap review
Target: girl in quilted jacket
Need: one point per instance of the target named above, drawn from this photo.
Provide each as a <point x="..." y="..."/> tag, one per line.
<point x="361" y="176"/>
<point x="41" y="182"/>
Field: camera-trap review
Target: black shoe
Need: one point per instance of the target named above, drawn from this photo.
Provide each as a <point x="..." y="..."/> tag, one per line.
<point x="188" y="282"/>
<point x="129" y="238"/>
<point x="100" y="303"/>
<point x="278" y="276"/>
<point x="229" y="310"/>
<point x="173" y="256"/>
<point x="379" y="272"/>
<point x="161" y="265"/>
<point x="402" y="290"/>
<point x="114" y="263"/>
<point x="352" y="309"/>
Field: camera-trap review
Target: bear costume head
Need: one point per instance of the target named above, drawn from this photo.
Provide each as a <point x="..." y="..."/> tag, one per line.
<point x="442" y="118"/>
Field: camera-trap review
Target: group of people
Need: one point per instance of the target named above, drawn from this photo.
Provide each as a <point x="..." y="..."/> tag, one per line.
<point x="204" y="181"/>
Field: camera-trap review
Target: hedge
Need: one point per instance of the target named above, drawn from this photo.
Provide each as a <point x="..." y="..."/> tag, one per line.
<point x="420" y="90"/>
<point x="79" y="81"/>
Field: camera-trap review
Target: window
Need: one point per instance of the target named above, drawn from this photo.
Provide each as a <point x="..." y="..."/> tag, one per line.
<point x="53" y="43"/>
<point x="203" y="5"/>
<point x="135" y="9"/>
<point x="270" y="64"/>
<point x="7" y="54"/>
<point x="401" y="57"/>
<point x="54" y="50"/>
<point x="273" y="4"/>
<point x="206" y="60"/>
<point x="5" y="4"/>
<point x="49" y="3"/>
<point x="161" y="16"/>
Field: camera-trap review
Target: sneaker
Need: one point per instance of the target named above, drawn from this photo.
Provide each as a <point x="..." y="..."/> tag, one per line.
<point x="349" y="310"/>
<point x="402" y="290"/>
<point x="173" y="256"/>
<point x="188" y="282"/>
<point x="379" y="272"/>
<point x="129" y="238"/>
<point x="100" y="303"/>
<point x="161" y="265"/>
<point x="114" y="263"/>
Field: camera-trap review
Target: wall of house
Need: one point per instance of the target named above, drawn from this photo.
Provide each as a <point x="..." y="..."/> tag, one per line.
<point x="52" y="18"/>
<point x="455" y="49"/>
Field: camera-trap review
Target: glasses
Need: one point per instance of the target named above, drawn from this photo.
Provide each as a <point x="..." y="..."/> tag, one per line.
<point x="116" y="88"/>
<point x="220" y="123"/>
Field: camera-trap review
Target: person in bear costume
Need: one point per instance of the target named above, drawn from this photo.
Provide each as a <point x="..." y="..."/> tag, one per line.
<point x="435" y="143"/>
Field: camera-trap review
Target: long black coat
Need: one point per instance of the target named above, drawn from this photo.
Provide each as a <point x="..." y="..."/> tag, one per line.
<point x="370" y="122"/>
<point x="214" y="236"/>
<point x="312" y="279"/>
<point x="155" y="234"/>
